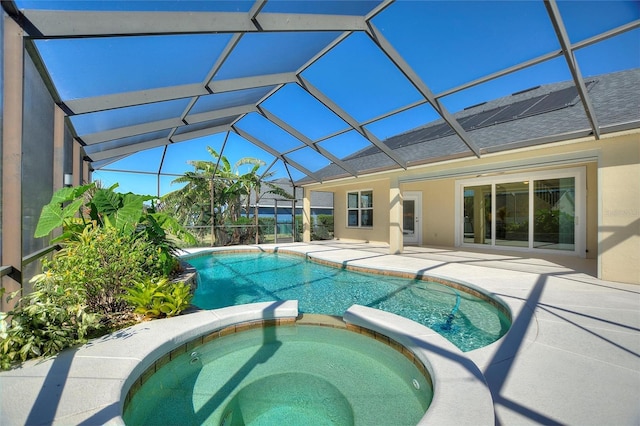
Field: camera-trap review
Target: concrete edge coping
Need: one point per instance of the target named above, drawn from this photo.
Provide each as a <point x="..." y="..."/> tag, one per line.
<point x="220" y="318"/>
<point x="461" y="395"/>
<point x="108" y="366"/>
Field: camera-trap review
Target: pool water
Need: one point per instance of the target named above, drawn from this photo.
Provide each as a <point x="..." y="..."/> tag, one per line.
<point x="293" y="375"/>
<point x="227" y="279"/>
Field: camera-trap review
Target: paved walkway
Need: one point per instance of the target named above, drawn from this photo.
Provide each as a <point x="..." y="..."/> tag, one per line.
<point x="572" y="355"/>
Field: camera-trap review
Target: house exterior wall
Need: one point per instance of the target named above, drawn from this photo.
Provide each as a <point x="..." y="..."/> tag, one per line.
<point x="619" y="230"/>
<point x="612" y="180"/>
<point x="380" y="230"/>
<point x="438" y="208"/>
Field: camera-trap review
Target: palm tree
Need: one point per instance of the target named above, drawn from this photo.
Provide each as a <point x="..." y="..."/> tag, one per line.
<point x="254" y="182"/>
<point x="215" y="190"/>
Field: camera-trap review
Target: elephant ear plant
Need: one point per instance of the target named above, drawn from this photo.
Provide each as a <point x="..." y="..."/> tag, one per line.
<point x="115" y="267"/>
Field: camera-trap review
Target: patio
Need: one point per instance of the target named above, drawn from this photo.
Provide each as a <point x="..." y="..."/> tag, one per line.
<point x="361" y="101"/>
<point x="572" y="355"/>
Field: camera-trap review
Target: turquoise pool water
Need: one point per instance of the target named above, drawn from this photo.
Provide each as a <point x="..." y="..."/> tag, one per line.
<point x="227" y="279"/>
<point x="287" y="375"/>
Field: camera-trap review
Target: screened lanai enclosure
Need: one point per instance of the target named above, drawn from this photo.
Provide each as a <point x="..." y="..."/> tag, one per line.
<point x="300" y="84"/>
<point x="321" y="92"/>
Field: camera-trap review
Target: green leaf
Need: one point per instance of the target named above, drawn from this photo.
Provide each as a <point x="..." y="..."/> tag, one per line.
<point x="106" y="202"/>
<point x="51" y="217"/>
<point x="128" y="216"/>
<point x="70" y="193"/>
<point x="170" y="224"/>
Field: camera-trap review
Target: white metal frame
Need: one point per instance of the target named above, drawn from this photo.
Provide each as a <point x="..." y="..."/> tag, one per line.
<point x="50" y="24"/>
<point x="23" y="27"/>
<point x="417" y="196"/>
<point x="579" y="173"/>
<point x="359" y="192"/>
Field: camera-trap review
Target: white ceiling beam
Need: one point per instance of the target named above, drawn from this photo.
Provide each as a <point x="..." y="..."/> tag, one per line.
<point x="379" y="8"/>
<point x="139" y="129"/>
<point x="231" y="44"/>
<point x="333" y="107"/>
<point x="123" y="132"/>
<point x="563" y="38"/>
<point x="301" y="137"/>
<point x="200" y="133"/>
<point x="231" y="85"/>
<point x="542" y="58"/>
<point x="128" y="149"/>
<point x="395" y="57"/>
<point x="501" y="73"/>
<point x="275" y="153"/>
<point x="607" y="34"/>
<point x="310" y="22"/>
<point x="255" y="10"/>
<point x="220" y="113"/>
<point x="73" y="23"/>
<point x="139" y="97"/>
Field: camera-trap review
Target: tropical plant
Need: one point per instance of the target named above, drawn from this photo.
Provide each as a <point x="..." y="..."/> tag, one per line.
<point x="158" y="298"/>
<point x="103" y="261"/>
<point x="211" y="193"/>
<point x="47" y="320"/>
<point x="73" y="210"/>
<point x="322" y="227"/>
<point x="215" y="193"/>
<point x="552" y="225"/>
<point x="255" y="182"/>
<point x="110" y="241"/>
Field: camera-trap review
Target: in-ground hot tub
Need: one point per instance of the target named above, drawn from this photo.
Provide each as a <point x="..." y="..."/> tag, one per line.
<point x="293" y="374"/>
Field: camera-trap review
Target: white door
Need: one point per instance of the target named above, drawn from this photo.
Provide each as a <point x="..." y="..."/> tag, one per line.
<point x="412" y="217"/>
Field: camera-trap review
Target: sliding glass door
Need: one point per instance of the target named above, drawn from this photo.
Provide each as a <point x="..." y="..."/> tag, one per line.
<point x="533" y="211"/>
<point x="554" y="214"/>
<point x="477" y="214"/>
<point x="512" y="214"/>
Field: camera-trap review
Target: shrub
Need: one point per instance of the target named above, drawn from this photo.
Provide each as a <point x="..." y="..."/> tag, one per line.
<point x="110" y="243"/>
<point x="51" y="318"/>
<point x="323" y="227"/>
<point x="103" y="261"/>
<point x="158" y="298"/>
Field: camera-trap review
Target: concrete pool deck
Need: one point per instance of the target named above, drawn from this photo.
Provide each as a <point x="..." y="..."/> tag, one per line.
<point x="572" y="355"/>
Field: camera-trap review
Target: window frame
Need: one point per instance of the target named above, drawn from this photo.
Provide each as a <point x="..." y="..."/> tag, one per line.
<point x="579" y="175"/>
<point x="359" y="209"/>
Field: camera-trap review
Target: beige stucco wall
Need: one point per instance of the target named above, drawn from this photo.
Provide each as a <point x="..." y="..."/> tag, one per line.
<point x="592" y="210"/>
<point x="438" y="206"/>
<point x="612" y="167"/>
<point x="380" y="230"/>
<point x="438" y="209"/>
<point x="619" y="230"/>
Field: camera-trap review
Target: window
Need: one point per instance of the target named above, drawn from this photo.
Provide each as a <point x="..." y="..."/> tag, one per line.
<point x="537" y="211"/>
<point x="360" y="209"/>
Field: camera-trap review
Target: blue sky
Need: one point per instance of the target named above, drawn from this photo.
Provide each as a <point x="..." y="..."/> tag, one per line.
<point x="446" y="43"/>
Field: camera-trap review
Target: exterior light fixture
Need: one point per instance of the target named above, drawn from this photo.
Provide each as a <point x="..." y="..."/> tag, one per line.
<point x="68" y="179"/>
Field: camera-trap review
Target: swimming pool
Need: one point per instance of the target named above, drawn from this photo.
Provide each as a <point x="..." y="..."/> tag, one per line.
<point x="227" y="279"/>
<point x="296" y="374"/>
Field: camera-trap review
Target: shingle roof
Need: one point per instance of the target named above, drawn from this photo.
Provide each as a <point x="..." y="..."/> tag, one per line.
<point x="542" y="114"/>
